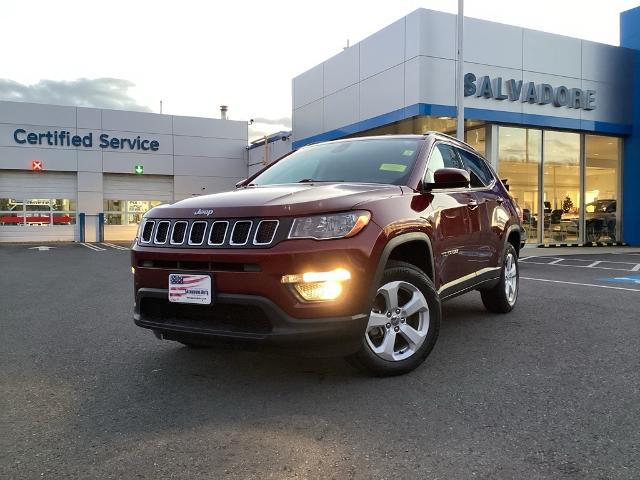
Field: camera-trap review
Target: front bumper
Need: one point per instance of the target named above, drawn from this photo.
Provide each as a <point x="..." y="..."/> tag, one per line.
<point x="249" y="320"/>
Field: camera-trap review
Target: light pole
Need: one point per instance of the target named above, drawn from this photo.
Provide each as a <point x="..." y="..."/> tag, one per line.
<point x="460" y="76"/>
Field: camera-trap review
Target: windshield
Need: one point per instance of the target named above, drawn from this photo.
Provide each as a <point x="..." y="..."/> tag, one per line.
<point x="384" y="160"/>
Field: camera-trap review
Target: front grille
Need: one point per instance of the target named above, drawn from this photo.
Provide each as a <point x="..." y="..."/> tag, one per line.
<point x="225" y="317"/>
<point x="265" y="232"/>
<point x="240" y="233"/>
<point x="147" y="231"/>
<point x="177" y="235"/>
<point x="196" y="235"/>
<point x="224" y="233"/>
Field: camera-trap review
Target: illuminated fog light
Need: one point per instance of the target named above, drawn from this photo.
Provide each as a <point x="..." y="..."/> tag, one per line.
<point x="319" y="290"/>
<point x="315" y="286"/>
<point x="337" y="275"/>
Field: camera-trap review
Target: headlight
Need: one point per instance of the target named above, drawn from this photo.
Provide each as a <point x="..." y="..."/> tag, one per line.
<point x="323" y="227"/>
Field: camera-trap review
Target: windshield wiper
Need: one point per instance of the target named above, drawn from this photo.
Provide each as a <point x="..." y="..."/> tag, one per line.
<point x="311" y="180"/>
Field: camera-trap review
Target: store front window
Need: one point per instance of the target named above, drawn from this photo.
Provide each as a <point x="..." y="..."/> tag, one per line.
<point x="602" y="215"/>
<point x="555" y="210"/>
<point x="561" y="182"/>
<point x="476" y="138"/>
<point x="37" y="212"/>
<point x="422" y="124"/>
<point x="127" y="212"/>
<point x="520" y="156"/>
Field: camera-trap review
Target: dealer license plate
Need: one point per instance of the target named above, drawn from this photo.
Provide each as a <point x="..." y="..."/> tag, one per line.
<point x="187" y="288"/>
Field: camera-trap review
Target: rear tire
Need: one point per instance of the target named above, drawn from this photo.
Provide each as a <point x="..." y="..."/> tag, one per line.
<point x="403" y="325"/>
<point x="502" y="298"/>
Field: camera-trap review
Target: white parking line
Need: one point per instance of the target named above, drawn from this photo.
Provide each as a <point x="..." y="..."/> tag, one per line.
<point x="117" y="247"/>
<point x="581" y="284"/>
<point x="93" y="247"/>
<point x="557" y="262"/>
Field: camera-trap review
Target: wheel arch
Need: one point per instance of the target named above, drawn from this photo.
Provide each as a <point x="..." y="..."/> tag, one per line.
<point x="414" y="248"/>
<point x="513" y="236"/>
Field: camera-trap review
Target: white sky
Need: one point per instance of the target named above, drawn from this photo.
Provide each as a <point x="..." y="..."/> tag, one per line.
<point x="197" y="55"/>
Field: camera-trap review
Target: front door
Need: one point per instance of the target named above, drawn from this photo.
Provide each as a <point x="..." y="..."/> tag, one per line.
<point x="457" y="218"/>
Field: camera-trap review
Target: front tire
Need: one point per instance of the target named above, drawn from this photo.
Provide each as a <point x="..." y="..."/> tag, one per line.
<point x="403" y="325"/>
<point x="502" y="298"/>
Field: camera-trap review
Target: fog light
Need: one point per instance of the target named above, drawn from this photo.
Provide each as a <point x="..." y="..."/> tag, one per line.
<point x="133" y="270"/>
<point x="315" y="286"/>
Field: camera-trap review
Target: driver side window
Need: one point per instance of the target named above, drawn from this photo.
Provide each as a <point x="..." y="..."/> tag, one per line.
<point x="442" y="156"/>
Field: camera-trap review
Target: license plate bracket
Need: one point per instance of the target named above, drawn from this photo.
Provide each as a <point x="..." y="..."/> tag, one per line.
<point x="190" y="288"/>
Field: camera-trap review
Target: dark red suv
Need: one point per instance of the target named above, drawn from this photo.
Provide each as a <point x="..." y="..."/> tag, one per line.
<point x="340" y="248"/>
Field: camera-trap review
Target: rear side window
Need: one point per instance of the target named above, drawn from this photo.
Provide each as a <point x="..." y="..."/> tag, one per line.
<point x="478" y="171"/>
<point x="442" y="156"/>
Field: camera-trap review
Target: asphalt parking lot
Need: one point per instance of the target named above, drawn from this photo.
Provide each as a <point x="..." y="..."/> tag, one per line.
<point x="550" y="391"/>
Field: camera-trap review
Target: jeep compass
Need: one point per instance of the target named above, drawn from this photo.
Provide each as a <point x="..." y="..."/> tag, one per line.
<point x="339" y="248"/>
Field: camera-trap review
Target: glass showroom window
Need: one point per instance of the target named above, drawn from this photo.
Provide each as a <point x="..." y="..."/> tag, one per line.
<point x="601" y="197"/>
<point x="127" y="212"/>
<point x="37" y="212"/>
<point x="476" y="137"/>
<point x="519" y="158"/>
<point x="561" y="180"/>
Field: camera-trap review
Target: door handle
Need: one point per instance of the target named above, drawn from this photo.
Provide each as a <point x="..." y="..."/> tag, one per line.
<point x="472" y="204"/>
<point x="500" y="200"/>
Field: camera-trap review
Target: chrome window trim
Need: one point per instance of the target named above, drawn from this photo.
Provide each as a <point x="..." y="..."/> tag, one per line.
<point x="204" y="235"/>
<point x="272" y="236"/>
<point x="231" y="242"/>
<point x="155" y="237"/>
<point x="489" y="187"/>
<point x="173" y="230"/>
<point x="224" y="237"/>
<point x="153" y="226"/>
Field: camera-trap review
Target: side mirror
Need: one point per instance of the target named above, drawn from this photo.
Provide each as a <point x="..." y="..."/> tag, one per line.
<point x="241" y="183"/>
<point x="449" y="178"/>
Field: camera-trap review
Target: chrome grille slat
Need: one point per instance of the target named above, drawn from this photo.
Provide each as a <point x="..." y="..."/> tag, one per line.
<point x="178" y="232"/>
<point x="162" y="232"/>
<point x="240" y="232"/>
<point x="147" y="230"/>
<point x="265" y="232"/>
<point x="218" y="232"/>
<point x="196" y="232"/>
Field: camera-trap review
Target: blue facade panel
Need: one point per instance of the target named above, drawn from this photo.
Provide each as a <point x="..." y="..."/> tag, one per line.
<point x="630" y="38"/>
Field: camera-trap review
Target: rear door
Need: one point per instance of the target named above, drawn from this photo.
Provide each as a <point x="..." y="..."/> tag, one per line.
<point x="457" y="229"/>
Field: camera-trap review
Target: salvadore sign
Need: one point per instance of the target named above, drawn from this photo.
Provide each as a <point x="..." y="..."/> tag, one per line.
<point x="63" y="138"/>
<point x="528" y="92"/>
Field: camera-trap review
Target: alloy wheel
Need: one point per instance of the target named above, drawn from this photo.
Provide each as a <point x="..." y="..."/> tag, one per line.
<point x="399" y="321"/>
<point x="511" y="278"/>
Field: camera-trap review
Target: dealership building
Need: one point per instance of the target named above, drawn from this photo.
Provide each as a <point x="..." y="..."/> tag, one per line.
<point x="558" y="117"/>
<point x="73" y="174"/>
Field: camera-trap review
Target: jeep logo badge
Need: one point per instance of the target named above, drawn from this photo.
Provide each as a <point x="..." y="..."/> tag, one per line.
<point x="203" y="212"/>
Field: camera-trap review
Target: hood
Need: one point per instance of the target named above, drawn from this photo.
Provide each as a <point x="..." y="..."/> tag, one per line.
<point x="278" y="200"/>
